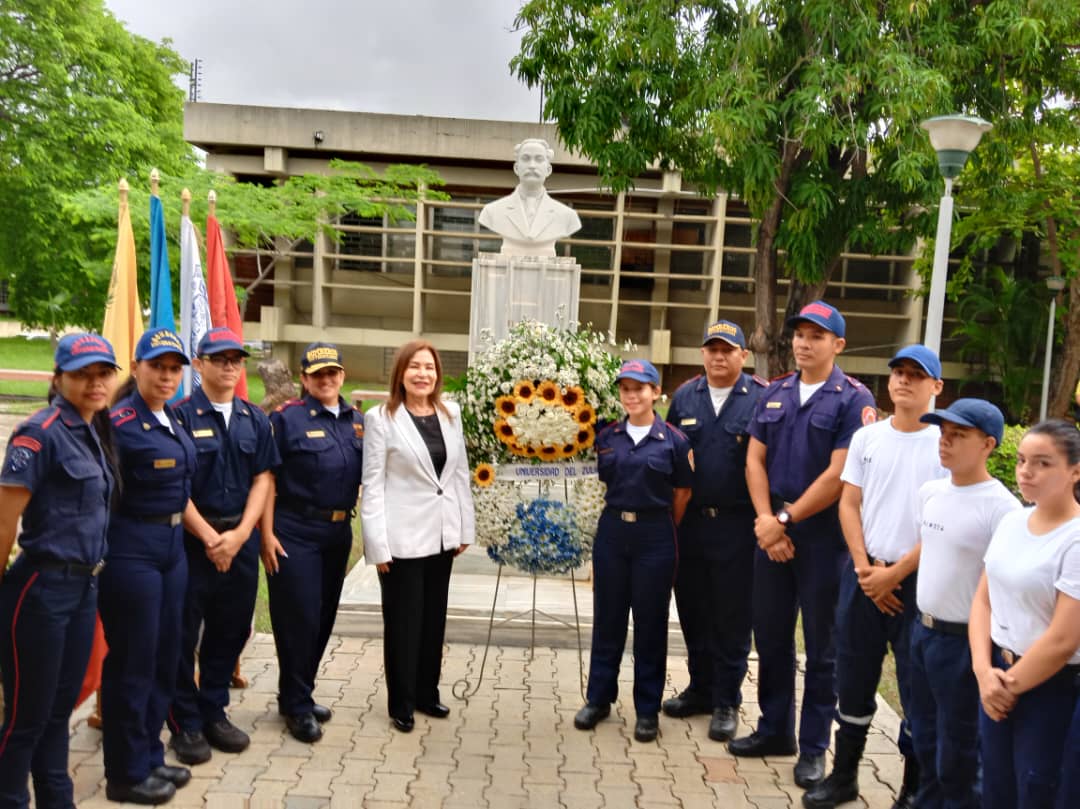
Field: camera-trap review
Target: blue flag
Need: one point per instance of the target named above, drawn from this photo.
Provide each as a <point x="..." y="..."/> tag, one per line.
<point x="161" y="305"/>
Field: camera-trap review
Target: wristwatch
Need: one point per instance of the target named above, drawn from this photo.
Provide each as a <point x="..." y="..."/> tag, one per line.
<point x="783" y="516"/>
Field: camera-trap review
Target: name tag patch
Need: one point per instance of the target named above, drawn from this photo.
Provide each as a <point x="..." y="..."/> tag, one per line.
<point x="316" y="434"/>
<point x="773" y="405"/>
<point x="164" y="463"/>
<point x="202" y="433"/>
<point x="687" y="422"/>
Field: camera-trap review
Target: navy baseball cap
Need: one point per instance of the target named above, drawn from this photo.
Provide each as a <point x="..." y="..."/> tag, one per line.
<point x="218" y="340"/>
<point x="320" y="355"/>
<point x="160" y="341"/>
<point x="820" y="314"/>
<point x="75" y="351"/>
<point x="724" y="330"/>
<point x="641" y="370"/>
<point x="977" y="413"/>
<point x="921" y="356"/>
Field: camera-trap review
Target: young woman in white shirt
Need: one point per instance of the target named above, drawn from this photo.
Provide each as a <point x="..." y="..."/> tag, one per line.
<point x="1025" y="625"/>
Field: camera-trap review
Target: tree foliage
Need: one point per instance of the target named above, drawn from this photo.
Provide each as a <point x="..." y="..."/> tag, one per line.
<point x="82" y="102"/>
<point x="808" y="110"/>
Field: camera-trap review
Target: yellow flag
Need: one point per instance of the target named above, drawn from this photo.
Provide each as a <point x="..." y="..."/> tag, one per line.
<point x="123" y="318"/>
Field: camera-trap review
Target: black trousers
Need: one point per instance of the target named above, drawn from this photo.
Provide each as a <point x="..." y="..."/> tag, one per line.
<point x="414" y="594"/>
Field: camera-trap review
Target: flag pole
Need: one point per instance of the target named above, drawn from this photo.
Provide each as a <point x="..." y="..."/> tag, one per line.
<point x="123" y="188"/>
<point x="211" y="199"/>
<point x="155" y="179"/>
<point x="185" y="203"/>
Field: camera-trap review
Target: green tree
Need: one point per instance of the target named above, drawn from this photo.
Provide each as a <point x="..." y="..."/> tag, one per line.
<point x="807" y="109"/>
<point x="1024" y="187"/>
<point x="82" y="102"/>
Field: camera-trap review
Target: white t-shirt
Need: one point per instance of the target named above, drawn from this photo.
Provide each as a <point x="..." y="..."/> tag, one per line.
<point x="335" y="408"/>
<point x="890" y="466"/>
<point x="808" y="389"/>
<point x="225" y="409"/>
<point x="956" y="524"/>
<point x="719" y="396"/>
<point x="163" y="420"/>
<point x="1025" y="573"/>
<point x="637" y="432"/>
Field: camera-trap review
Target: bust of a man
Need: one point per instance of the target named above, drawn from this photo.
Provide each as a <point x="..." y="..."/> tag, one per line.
<point x="528" y="219"/>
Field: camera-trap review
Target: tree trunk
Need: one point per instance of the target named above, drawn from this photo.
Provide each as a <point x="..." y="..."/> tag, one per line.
<point x="1067" y="367"/>
<point x="767" y="340"/>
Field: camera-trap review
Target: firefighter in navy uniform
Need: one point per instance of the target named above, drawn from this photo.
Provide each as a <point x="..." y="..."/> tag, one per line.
<point x="145" y="576"/>
<point x="58" y="476"/>
<point x="648" y="467"/>
<point x="798" y="444"/>
<point x="716" y="537"/>
<point x="307" y="531"/>
<point x="236" y="453"/>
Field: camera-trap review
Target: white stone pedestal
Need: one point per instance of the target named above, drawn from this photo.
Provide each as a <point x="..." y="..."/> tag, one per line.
<point x="508" y="289"/>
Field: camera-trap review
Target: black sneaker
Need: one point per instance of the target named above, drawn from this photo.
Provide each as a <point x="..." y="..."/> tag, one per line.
<point x="190" y="748"/>
<point x="226" y="737"/>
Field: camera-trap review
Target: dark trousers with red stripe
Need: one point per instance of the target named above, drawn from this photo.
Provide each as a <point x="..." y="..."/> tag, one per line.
<point x="633" y="569"/>
<point x="46" y="630"/>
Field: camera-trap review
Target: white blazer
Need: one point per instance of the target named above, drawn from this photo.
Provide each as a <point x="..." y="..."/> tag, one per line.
<point x="406" y="510"/>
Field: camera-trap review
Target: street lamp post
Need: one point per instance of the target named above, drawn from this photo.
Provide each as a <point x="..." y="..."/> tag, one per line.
<point x="953" y="138"/>
<point x="1055" y="283"/>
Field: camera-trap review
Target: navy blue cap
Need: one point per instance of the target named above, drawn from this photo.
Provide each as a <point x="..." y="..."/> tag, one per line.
<point x="921" y="356"/>
<point x="320" y="355"/>
<point x="218" y="340"/>
<point x="160" y="341"/>
<point x="641" y="370"/>
<point x="977" y="413"/>
<point x="75" y="351"/>
<point x="724" y="330"/>
<point x="820" y="314"/>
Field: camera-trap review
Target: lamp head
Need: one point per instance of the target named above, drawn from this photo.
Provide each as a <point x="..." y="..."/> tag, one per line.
<point x="954" y="137"/>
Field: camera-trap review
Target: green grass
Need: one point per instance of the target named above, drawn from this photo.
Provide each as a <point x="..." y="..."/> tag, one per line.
<point x="26" y="355"/>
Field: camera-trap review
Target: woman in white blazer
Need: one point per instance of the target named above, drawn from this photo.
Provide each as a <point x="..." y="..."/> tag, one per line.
<point x="416" y="515"/>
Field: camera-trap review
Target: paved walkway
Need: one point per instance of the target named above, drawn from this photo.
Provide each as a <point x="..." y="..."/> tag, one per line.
<point x="513" y="744"/>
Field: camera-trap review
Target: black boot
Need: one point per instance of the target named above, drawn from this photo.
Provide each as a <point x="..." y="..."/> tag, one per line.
<point x="842" y="784"/>
<point x="910" y="788"/>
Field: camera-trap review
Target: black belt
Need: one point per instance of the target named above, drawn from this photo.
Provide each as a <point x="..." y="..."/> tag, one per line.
<point x="634" y="516"/>
<point x="219" y="523"/>
<point x="948" y="627"/>
<point x="71" y="568"/>
<point x="321" y="514"/>
<point x="882" y="563"/>
<point x="1011" y="658"/>
<point x="172" y="520"/>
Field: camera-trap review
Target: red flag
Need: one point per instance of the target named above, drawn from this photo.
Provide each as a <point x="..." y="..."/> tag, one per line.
<point x="224" y="310"/>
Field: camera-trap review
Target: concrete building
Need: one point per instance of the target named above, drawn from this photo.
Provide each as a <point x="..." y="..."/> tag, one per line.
<point x="659" y="262"/>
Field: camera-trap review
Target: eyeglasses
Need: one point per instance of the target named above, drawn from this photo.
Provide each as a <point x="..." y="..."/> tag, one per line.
<point x="223" y="361"/>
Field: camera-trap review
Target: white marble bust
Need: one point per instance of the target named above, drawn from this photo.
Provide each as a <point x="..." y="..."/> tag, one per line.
<point x="529" y="220"/>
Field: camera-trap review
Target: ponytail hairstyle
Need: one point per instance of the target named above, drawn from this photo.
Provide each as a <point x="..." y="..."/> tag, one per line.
<point x="1066" y="438"/>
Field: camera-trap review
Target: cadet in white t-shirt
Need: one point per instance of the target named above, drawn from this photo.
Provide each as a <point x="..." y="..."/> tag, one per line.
<point x="957" y="517"/>
<point x="886" y="464"/>
<point x="1025" y="626"/>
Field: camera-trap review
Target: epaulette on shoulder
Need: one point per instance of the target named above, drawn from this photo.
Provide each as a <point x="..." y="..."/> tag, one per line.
<point x="760" y="380"/>
<point x="122" y="415"/>
<point x="39" y="417"/>
<point x="689" y="381"/>
<point x="855" y="383"/>
<point x="782" y="376"/>
<point x="606" y="427"/>
<point x="53" y="416"/>
<point x="183" y="401"/>
<point x="676" y="430"/>
<point x="287" y="405"/>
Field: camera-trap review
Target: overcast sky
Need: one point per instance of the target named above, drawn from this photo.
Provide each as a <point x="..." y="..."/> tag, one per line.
<point x="417" y="57"/>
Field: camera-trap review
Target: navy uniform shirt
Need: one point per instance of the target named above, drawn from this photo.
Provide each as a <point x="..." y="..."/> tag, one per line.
<point x="719" y="441"/>
<point x="157" y="463"/>
<point x="642" y="477"/>
<point x="321" y="454"/>
<point x="58" y="457"/>
<point x="229" y="458"/>
<point x="800" y="440"/>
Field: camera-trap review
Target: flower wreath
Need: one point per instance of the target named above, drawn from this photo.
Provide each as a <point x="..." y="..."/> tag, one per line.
<point x="536" y="397"/>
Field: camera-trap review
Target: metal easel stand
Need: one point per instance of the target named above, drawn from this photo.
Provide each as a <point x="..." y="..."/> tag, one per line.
<point x="463" y="688"/>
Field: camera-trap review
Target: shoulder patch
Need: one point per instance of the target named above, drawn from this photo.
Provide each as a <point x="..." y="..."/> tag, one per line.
<point x="122" y="415"/>
<point x="27" y="441"/>
<point x="869" y="415"/>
